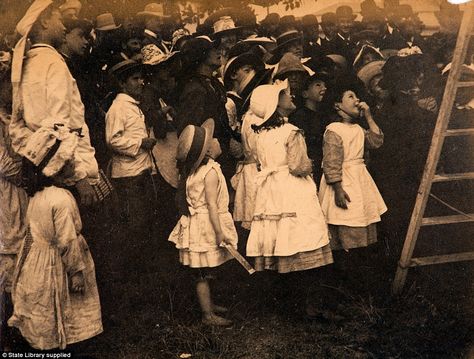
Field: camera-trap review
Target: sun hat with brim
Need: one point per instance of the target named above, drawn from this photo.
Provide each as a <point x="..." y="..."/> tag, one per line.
<point x="106" y="22"/>
<point x="195" y="50"/>
<point x="124" y="66"/>
<point x="264" y="100"/>
<point x="193" y="144"/>
<point x="50" y="148"/>
<point x="234" y="63"/>
<point x="369" y="71"/>
<point x="289" y="63"/>
<point x="153" y="9"/>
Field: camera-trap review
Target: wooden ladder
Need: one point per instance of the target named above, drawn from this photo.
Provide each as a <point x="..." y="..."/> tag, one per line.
<point x="441" y="131"/>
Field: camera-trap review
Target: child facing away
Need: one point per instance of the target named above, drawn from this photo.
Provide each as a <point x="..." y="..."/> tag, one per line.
<point x="55" y="297"/>
<point x="349" y="197"/>
<point x="288" y="232"/>
<point x="205" y="224"/>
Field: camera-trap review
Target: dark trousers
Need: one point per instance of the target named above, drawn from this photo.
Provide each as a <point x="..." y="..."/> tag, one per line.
<point x="136" y="202"/>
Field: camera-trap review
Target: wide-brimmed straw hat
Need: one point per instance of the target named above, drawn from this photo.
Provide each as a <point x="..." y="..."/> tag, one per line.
<point x="106" y="22"/>
<point x="153" y="9"/>
<point x="264" y="100"/>
<point x="289" y="63"/>
<point x="193" y="144"/>
<point x="50" y="148"/>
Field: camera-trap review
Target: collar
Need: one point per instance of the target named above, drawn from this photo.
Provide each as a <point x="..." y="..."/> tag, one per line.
<point x="390" y="29"/>
<point x="40" y="45"/>
<point x="151" y="33"/>
<point x="123" y="97"/>
<point x="342" y="37"/>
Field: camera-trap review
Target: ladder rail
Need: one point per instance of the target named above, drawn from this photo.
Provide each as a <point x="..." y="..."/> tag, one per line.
<point x="436" y="146"/>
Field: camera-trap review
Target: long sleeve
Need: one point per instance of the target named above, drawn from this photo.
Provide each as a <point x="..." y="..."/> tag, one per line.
<point x="114" y="133"/>
<point x="59" y="96"/>
<point x="333" y="157"/>
<point x="298" y="162"/>
<point x="67" y="237"/>
<point x="191" y="109"/>
<point x="373" y="140"/>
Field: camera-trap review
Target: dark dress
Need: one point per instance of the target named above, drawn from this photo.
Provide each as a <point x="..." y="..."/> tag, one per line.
<point x="313" y="124"/>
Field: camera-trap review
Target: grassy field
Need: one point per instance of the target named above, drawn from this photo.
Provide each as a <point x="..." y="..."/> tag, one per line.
<point x="151" y="312"/>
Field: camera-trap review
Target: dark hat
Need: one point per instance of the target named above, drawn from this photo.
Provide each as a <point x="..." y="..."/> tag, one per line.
<point x="123" y="67"/>
<point x="403" y="11"/>
<point x="316" y="77"/>
<point x="328" y="17"/>
<point x="85" y="25"/>
<point x="271" y="19"/>
<point x="287" y="23"/>
<point x="246" y="46"/>
<point x="345" y="12"/>
<point x="234" y="63"/>
<point x="365" y="36"/>
<point x="195" y="50"/>
<point x="309" y="20"/>
<point x="262" y="77"/>
<point x="287" y="38"/>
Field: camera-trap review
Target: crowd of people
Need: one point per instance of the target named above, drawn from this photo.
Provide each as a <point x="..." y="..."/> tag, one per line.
<point x="248" y="135"/>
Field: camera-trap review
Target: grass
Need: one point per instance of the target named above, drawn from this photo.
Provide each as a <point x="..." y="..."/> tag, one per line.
<point x="154" y="314"/>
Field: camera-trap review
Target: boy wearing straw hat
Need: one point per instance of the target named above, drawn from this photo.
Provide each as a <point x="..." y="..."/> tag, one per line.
<point x="45" y="94"/>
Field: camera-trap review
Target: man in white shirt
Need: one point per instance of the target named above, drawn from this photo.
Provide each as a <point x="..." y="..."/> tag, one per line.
<point x="47" y="94"/>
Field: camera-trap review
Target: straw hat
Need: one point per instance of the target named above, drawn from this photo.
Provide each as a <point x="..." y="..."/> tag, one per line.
<point x="50" y="148"/>
<point x="369" y="71"/>
<point x="153" y="55"/>
<point x="193" y="143"/>
<point x="153" y="9"/>
<point x="106" y="22"/>
<point x="264" y="100"/>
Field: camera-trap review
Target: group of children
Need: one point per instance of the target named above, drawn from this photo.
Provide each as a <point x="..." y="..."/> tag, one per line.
<point x="276" y="195"/>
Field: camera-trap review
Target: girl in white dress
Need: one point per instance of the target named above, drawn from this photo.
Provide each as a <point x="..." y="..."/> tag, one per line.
<point x="288" y="231"/>
<point x="205" y="222"/>
<point x="349" y="197"/>
<point x="55" y="297"/>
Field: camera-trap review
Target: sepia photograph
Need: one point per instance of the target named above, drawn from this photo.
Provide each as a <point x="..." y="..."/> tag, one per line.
<point x="237" y="179"/>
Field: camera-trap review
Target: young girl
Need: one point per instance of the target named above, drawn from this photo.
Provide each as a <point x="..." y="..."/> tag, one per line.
<point x="205" y="224"/>
<point x="55" y="296"/>
<point x="288" y="232"/>
<point x="349" y="197"/>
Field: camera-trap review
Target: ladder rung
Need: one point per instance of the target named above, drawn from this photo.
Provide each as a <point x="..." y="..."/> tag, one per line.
<point x="459" y="132"/>
<point x="459" y="218"/>
<point x="446" y="258"/>
<point x="465" y="84"/>
<point x="447" y="177"/>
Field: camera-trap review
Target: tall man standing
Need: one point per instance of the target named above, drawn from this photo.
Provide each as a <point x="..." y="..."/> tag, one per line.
<point x="46" y="95"/>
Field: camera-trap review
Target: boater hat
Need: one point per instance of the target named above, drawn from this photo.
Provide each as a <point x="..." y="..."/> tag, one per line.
<point x="193" y="144"/>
